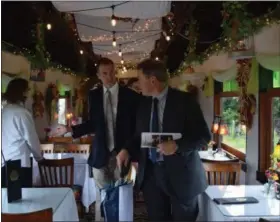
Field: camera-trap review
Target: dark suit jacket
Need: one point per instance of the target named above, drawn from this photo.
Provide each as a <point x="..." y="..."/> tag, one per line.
<point x="183" y="115"/>
<point x="128" y="102"/>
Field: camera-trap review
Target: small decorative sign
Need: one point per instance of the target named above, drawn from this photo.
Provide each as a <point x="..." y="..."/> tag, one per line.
<point x="14" y="191"/>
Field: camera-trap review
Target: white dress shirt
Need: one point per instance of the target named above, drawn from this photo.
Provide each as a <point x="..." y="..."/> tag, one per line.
<point x="114" y="90"/>
<point x="19" y="136"/>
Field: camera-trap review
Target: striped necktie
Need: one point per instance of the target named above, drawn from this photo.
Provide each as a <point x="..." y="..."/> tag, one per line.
<point x="110" y="121"/>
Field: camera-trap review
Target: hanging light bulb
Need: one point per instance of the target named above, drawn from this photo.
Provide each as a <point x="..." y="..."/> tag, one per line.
<point x="113" y="18"/>
<point x="114" y="43"/>
<point x="120" y="52"/>
<point x="122" y="62"/>
<point x="81" y="52"/>
<point x="113" y="21"/>
<point x="167" y="38"/>
<point x="49" y="26"/>
<point x="157" y="58"/>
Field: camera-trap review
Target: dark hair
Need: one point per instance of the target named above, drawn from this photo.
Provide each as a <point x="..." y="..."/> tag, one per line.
<point x="105" y="61"/>
<point x="121" y="82"/>
<point x="151" y="67"/>
<point x="131" y="81"/>
<point x="15" y="90"/>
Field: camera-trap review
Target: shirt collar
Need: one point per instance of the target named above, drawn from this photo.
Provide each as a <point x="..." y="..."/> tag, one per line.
<point x="162" y="94"/>
<point x="113" y="89"/>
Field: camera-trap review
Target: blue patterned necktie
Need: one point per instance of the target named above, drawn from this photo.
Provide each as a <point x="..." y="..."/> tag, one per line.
<point x="155" y="128"/>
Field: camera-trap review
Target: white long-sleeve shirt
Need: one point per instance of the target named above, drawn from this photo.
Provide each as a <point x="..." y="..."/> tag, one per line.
<point x="19" y="136"/>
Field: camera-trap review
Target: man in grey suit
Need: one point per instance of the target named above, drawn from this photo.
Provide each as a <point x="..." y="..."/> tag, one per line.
<point x="172" y="176"/>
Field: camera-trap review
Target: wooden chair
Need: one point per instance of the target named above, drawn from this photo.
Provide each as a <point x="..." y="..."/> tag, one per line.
<point x="87" y="139"/>
<point x="42" y="216"/>
<point x="60" y="139"/>
<point x="222" y="173"/>
<point x="47" y="148"/>
<point x="78" y="148"/>
<point x="57" y="173"/>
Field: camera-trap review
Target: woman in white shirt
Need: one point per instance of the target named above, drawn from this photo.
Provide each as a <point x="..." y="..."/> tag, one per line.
<point x="19" y="136"/>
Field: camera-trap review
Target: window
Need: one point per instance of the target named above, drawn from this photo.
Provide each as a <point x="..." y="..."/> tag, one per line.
<point x="226" y="104"/>
<point x="275" y="109"/>
<point x="275" y="121"/>
<point x="269" y="118"/>
<point x="236" y="137"/>
<point x="230" y="86"/>
<point x="276" y="79"/>
<point x="62" y="111"/>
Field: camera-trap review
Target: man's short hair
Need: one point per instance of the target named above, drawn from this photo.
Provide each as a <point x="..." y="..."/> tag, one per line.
<point x="151" y="67"/>
<point x="105" y="61"/>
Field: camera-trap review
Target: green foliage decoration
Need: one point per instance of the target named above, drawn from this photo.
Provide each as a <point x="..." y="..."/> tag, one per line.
<point x="247" y="25"/>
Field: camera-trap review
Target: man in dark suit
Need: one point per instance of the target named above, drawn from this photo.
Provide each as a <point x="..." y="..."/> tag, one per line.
<point x="112" y="114"/>
<point x="172" y="176"/>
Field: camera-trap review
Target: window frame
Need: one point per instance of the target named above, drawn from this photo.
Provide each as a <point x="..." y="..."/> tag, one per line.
<point x="265" y="127"/>
<point x="217" y="111"/>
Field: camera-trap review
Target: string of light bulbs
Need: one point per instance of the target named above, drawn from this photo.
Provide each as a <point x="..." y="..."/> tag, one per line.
<point x="185" y="37"/>
<point x="114" y="43"/>
<point x="119" y="31"/>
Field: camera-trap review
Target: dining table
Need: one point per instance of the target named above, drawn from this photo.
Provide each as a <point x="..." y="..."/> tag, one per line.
<point x="61" y="200"/>
<point x="82" y="175"/>
<point x="267" y="207"/>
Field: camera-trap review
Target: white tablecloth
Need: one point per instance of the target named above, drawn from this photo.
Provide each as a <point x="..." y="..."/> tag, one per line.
<point x="205" y="155"/>
<point x="81" y="175"/>
<point x="61" y="200"/>
<point x="267" y="207"/>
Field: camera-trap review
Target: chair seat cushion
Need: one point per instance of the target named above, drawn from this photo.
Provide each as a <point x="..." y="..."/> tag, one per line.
<point x="77" y="189"/>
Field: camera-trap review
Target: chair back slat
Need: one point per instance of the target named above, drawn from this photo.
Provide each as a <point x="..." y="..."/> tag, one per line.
<point x="78" y="148"/>
<point x="60" y="139"/>
<point x="57" y="173"/>
<point x="222" y="173"/>
<point x="47" y="148"/>
<point x="42" y="216"/>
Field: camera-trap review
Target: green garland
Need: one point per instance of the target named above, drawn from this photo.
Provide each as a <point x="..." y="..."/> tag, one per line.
<point x="247" y="26"/>
<point x="39" y="58"/>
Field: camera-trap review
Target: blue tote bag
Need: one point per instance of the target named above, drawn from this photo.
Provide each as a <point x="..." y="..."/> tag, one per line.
<point x="117" y="200"/>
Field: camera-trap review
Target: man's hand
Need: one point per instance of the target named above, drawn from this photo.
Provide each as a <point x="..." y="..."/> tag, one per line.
<point x="122" y="158"/>
<point x="41" y="160"/>
<point x="167" y="148"/>
<point x="60" y="130"/>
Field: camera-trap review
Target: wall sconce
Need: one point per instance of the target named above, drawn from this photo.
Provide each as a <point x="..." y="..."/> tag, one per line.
<point x="218" y="128"/>
<point x="68" y="117"/>
<point x="223" y="130"/>
<point x="216" y="124"/>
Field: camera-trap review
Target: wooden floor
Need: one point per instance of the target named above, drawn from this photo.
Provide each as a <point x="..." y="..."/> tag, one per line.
<point x="140" y="213"/>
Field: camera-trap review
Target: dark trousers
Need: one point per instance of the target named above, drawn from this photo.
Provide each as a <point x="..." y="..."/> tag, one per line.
<point x="25" y="177"/>
<point x="161" y="203"/>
